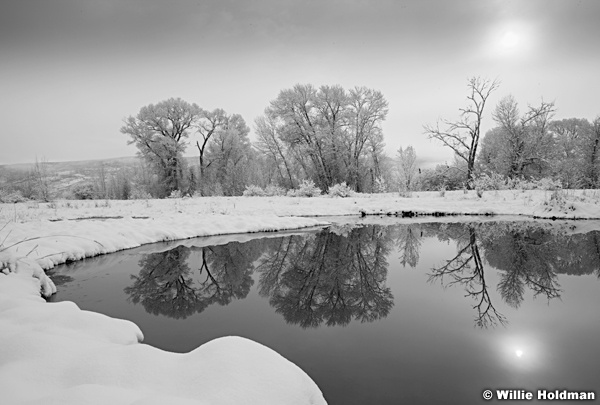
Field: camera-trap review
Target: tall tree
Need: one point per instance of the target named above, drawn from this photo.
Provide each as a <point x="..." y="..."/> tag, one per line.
<point x="228" y="153"/>
<point x="462" y="136"/>
<point x="159" y="132"/>
<point x="367" y="110"/>
<point x="328" y="132"/>
<point x="269" y="144"/>
<point x="208" y="123"/>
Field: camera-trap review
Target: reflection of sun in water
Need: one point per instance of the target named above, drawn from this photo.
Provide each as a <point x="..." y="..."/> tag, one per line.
<point x="519" y="353"/>
<point x="509" y="40"/>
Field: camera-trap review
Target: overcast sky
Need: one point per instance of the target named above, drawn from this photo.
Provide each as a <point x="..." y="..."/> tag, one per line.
<point x="71" y="70"/>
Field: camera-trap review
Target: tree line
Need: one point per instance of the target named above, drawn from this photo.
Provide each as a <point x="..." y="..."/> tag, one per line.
<point x="332" y="136"/>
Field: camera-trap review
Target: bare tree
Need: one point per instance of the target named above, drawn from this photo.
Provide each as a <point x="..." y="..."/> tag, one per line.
<point x="466" y="269"/>
<point x="40" y="173"/>
<point x="101" y="181"/>
<point x="462" y="136"/>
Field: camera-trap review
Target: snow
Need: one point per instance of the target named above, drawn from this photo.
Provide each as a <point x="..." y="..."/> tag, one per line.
<point x="59" y="354"/>
<point x="586" y="204"/>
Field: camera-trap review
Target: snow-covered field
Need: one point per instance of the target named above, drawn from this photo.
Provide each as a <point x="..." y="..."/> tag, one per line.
<point x="57" y="353"/>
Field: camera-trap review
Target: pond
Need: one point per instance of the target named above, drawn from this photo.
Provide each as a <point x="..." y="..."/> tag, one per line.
<point x="374" y="313"/>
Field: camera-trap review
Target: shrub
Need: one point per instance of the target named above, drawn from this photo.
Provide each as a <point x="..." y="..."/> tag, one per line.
<point x="11" y="197"/>
<point x="272" y="190"/>
<point x="380" y="185"/>
<point x="340" y="190"/>
<point x="253" y="191"/>
<point x="84" y="191"/>
<point x="549" y="184"/>
<point x="139" y="194"/>
<point x="541" y="184"/>
<point x="175" y="194"/>
<point x="307" y="189"/>
<point x="485" y="182"/>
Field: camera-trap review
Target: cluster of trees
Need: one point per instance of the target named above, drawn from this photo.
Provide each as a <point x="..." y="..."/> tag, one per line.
<point x="160" y="133"/>
<point x="523" y="145"/>
<point x="328" y="135"/>
<point x="532" y="145"/>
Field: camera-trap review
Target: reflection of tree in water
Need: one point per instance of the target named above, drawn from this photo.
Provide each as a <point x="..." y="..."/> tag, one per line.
<point x="408" y="240"/>
<point x="328" y="277"/>
<point x="529" y="256"/>
<point x="167" y="285"/>
<point x="466" y="269"/>
<point x="164" y="285"/>
<point x="333" y="278"/>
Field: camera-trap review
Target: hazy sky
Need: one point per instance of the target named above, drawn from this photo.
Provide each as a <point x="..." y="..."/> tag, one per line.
<point x="71" y="70"/>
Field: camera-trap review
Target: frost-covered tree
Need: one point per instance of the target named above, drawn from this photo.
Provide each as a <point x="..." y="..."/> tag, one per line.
<point x="270" y="145"/>
<point x="525" y="142"/>
<point x="590" y="155"/>
<point x="228" y="154"/>
<point x="568" y="163"/>
<point x="328" y="134"/>
<point x="209" y="122"/>
<point x="407" y="167"/>
<point x="159" y="132"/>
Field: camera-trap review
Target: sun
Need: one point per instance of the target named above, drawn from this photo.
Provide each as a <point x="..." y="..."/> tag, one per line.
<point x="510" y="39"/>
<point x="519" y="353"/>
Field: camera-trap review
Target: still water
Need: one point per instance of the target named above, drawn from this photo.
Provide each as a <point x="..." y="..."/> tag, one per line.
<point x="375" y="314"/>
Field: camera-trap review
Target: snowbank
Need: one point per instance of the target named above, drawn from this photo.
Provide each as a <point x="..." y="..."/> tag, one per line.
<point x="572" y="204"/>
<point x="59" y="354"/>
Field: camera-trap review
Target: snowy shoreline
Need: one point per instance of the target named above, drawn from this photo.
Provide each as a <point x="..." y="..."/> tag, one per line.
<point x="57" y="353"/>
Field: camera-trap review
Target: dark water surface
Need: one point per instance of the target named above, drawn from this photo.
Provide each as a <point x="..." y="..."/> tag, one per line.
<point x="427" y="313"/>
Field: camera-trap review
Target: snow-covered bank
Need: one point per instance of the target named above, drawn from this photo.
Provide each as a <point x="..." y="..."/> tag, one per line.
<point x="59" y="354"/>
<point x="570" y="204"/>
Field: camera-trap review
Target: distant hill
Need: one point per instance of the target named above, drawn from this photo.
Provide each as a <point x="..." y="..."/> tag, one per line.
<point x="63" y="176"/>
